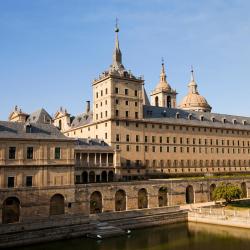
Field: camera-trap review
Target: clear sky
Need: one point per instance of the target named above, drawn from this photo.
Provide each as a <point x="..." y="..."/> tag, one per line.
<point x="51" y="50"/>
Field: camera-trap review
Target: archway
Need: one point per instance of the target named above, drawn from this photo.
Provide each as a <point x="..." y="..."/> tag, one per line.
<point x="96" y="202"/>
<point x="91" y="176"/>
<point x="163" y="197"/>
<point x="156" y="101"/>
<point x="11" y="210"/>
<point x="120" y="200"/>
<point x="57" y="204"/>
<point x="189" y="194"/>
<point x="212" y="188"/>
<point x="85" y="177"/>
<point x="169" y="101"/>
<point x="244" y="189"/>
<point x="111" y="176"/>
<point x="104" y="176"/>
<point x="142" y="198"/>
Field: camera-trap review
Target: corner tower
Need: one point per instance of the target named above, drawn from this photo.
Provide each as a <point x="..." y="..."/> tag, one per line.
<point x="117" y="93"/>
<point x="163" y="95"/>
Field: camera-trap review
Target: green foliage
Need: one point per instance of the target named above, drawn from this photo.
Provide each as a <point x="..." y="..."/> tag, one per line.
<point x="227" y="192"/>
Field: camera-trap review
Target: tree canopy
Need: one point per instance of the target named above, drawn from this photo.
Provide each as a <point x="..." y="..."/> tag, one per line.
<point x="227" y="191"/>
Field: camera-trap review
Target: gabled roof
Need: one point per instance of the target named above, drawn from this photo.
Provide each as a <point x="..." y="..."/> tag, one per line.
<point x="82" y="119"/>
<point x="40" y="116"/>
<point x="39" y="131"/>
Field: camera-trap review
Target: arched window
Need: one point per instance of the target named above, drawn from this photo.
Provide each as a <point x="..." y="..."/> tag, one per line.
<point x="60" y="124"/>
<point x="91" y="176"/>
<point x="169" y="101"/>
<point x="156" y="101"/>
<point x="189" y="194"/>
<point x="142" y="198"/>
<point x="104" y="176"/>
<point x="57" y="204"/>
<point x="11" y="210"/>
<point x="85" y="177"/>
<point x="212" y="188"/>
<point x="111" y="176"/>
<point x="120" y="200"/>
<point x="163" y="197"/>
<point x="96" y="202"/>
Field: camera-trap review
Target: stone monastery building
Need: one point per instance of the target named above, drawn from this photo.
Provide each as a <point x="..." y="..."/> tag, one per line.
<point x="90" y="163"/>
<point x="158" y="138"/>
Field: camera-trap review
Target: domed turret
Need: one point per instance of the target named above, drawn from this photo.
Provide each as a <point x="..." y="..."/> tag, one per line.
<point x="193" y="100"/>
<point x="163" y="95"/>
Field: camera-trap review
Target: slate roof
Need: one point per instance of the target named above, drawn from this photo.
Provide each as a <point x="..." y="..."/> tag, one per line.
<point x="205" y="119"/>
<point x="93" y="145"/>
<point x="37" y="131"/>
<point x="82" y="119"/>
<point x="40" y="116"/>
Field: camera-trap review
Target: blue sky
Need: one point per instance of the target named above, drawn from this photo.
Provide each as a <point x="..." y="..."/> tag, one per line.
<point x="51" y="50"/>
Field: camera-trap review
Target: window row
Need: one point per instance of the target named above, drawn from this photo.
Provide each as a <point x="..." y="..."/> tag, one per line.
<point x="169" y="149"/>
<point x="186" y="128"/>
<point x="181" y="140"/>
<point x="30" y="153"/>
<point x="11" y="181"/>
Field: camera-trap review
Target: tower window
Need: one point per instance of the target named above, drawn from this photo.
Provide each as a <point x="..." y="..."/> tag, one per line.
<point x="136" y="92"/>
<point x="156" y="101"/>
<point x="126" y="113"/>
<point x="136" y="115"/>
<point x="126" y="103"/>
<point x="11" y="181"/>
<point x="126" y="91"/>
<point x="117" y="112"/>
<point x="106" y="91"/>
<point x="169" y="102"/>
<point x="29" y="181"/>
<point x="116" y="90"/>
<point x="116" y="101"/>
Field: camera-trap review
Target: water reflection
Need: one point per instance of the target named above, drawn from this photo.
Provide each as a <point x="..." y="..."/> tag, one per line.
<point x="190" y="236"/>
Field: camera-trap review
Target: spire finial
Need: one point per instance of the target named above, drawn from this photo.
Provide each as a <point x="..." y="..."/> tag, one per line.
<point x="116" y="25"/>
<point x="192" y="73"/>
<point x="117" y="55"/>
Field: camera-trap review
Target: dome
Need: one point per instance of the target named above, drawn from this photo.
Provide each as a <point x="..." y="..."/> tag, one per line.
<point x="193" y="100"/>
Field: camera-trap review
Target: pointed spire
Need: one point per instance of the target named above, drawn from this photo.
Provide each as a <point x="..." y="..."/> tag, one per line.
<point x="117" y="55"/>
<point x="192" y="85"/>
<point x="163" y="74"/>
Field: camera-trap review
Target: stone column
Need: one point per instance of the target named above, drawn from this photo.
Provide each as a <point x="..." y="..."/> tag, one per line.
<point x="107" y="160"/>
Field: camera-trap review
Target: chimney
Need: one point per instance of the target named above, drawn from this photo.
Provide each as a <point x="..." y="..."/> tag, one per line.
<point x="87" y="106"/>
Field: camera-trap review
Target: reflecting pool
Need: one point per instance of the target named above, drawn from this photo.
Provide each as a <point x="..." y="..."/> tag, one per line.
<point x="182" y="236"/>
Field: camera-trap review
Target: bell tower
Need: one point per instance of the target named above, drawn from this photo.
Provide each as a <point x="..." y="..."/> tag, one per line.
<point x="163" y="95"/>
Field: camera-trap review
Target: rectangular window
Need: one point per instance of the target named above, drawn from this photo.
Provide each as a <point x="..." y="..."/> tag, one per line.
<point x="11" y="182"/>
<point x="116" y="101"/>
<point x="136" y="115"/>
<point x="117" y="137"/>
<point x="137" y="148"/>
<point x="127" y="147"/>
<point x="106" y="135"/>
<point x="137" y="138"/>
<point x="126" y="113"/>
<point x="153" y="149"/>
<point x="126" y="91"/>
<point x="153" y="139"/>
<point x="160" y="139"/>
<point x="117" y="113"/>
<point x="116" y="90"/>
<point x="126" y="102"/>
<point x="117" y="123"/>
<point x="12" y="152"/>
<point x="29" y="181"/>
<point x="106" y="91"/>
<point x="167" y="139"/>
<point x="57" y="153"/>
<point x="136" y="104"/>
<point x="30" y="153"/>
<point x="127" y="138"/>
<point x="136" y="92"/>
<point x="146" y="148"/>
<point x="146" y="139"/>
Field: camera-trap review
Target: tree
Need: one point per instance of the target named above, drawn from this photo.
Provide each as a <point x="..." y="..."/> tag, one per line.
<point x="227" y="191"/>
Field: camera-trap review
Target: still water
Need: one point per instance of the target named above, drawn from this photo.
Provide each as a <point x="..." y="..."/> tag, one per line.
<point x="175" y="237"/>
